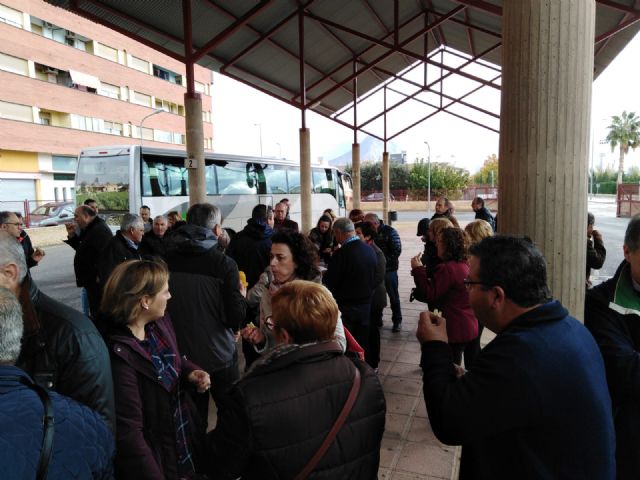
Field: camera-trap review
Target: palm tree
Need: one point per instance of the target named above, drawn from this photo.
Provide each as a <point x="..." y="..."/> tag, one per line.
<point x="624" y="132"/>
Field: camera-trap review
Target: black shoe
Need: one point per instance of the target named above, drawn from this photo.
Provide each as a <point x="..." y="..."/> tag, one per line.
<point x="396" y="328"/>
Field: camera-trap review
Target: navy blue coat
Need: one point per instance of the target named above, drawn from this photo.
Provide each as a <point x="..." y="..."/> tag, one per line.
<point x="83" y="446"/>
<point x="534" y="404"/>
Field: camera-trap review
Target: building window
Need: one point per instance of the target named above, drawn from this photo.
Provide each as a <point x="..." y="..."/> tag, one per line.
<point x="10" y="16"/>
<point x="45" y="118"/>
<point x="64" y="176"/>
<point x="114" y="128"/>
<point x="142" y="99"/>
<point x="162" y="136"/>
<point x="178" y="139"/>
<point x="12" y="64"/>
<point x="107" y="52"/>
<point x="63" y="164"/>
<point x="167" y="75"/>
<point x="15" y="111"/>
<point x="108" y="90"/>
<point x="139" y="64"/>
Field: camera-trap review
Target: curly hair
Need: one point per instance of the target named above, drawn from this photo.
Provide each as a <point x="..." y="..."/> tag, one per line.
<point x="304" y="252"/>
<point x="454" y="244"/>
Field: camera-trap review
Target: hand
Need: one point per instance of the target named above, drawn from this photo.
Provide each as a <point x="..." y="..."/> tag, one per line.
<point x="201" y="380"/>
<point x="460" y="371"/>
<point x="431" y="327"/>
<point x="416" y="261"/>
<point x="253" y="335"/>
<point x="71" y="228"/>
<point x="37" y="255"/>
<point x="596" y="235"/>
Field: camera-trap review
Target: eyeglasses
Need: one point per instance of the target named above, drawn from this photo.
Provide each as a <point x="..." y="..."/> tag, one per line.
<point x="467" y="283"/>
<point x="268" y="322"/>
<point x="17" y="224"/>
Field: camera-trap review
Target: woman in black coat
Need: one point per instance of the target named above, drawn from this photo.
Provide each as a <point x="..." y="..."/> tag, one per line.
<point x="155" y="422"/>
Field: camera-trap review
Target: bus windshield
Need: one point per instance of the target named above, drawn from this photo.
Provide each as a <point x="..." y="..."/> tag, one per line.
<point x="105" y="179"/>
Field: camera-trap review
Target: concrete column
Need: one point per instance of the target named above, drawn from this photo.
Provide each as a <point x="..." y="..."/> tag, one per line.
<point x="355" y="174"/>
<point x="195" y="147"/>
<point x="385" y="186"/>
<point x="547" y="58"/>
<point x="305" y="179"/>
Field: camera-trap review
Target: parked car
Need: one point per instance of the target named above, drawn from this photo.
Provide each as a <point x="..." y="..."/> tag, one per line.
<point x="52" y="213"/>
<point x="377" y="197"/>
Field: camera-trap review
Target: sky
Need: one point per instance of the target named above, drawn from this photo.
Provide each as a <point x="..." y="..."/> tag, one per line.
<point x="245" y="118"/>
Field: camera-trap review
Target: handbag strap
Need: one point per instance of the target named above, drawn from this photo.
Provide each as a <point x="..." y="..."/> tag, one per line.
<point x="346" y="409"/>
<point x="47" y="425"/>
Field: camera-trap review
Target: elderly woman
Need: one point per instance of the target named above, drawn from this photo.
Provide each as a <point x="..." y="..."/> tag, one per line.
<point x="322" y="238"/>
<point x="445" y="289"/>
<point x="444" y="209"/>
<point x="284" y="406"/>
<point x="293" y="257"/>
<point x="155" y="422"/>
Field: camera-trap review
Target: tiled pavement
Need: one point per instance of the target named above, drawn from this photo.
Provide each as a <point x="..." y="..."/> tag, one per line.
<point x="409" y="448"/>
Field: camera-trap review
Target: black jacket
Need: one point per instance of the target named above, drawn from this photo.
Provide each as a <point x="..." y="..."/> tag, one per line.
<point x="281" y="410"/>
<point x="153" y="245"/>
<point x="389" y="242"/>
<point x="63" y="351"/>
<point x="88" y="246"/>
<point x="114" y="253"/>
<point x="206" y="305"/>
<point x="351" y="275"/>
<point x="251" y="248"/>
<point x="484" y="214"/>
<point x="618" y="336"/>
<point x="596" y="254"/>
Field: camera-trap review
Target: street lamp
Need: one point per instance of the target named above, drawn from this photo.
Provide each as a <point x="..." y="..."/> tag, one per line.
<point x="155" y="112"/>
<point x="279" y="149"/>
<point x="428" y="179"/>
<point x="259" y="125"/>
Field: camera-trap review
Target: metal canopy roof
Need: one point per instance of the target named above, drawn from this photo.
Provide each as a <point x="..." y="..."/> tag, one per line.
<point x="352" y="50"/>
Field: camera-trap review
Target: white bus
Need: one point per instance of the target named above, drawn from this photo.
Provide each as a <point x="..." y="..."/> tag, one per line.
<point x="123" y="178"/>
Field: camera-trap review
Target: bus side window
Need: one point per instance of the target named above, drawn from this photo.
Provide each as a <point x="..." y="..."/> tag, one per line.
<point x="210" y="179"/>
<point x="323" y="181"/>
<point x="232" y="179"/>
<point x="293" y="177"/>
<point x="275" y="179"/>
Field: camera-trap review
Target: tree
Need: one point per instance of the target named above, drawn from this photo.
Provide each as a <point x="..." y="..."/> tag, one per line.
<point x="444" y="177"/>
<point x="624" y="132"/>
<point x="488" y="173"/>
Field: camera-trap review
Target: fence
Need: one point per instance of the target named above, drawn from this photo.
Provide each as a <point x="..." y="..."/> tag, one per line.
<point x="628" y="200"/>
<point x="488" y="193"/>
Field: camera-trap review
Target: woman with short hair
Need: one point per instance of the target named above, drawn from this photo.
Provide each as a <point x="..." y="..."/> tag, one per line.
<point x="156" y="431"/>
<point x="283" y="407"/>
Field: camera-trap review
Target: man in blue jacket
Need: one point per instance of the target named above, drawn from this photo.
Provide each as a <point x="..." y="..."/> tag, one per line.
<point x="82" y="444"/>
<point x="535" y="402"/>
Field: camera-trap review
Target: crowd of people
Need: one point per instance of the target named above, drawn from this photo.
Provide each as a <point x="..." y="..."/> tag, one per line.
<point x="167" y="301"/>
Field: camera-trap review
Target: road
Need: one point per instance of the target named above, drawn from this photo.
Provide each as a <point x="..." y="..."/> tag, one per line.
<point x="55" y="276"/>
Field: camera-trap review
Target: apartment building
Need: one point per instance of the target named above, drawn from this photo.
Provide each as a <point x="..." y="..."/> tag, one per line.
<point x="68" y="83"/>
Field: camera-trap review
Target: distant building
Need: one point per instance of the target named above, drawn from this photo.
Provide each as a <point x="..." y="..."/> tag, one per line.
<point x="68" y="83"/>
<point x="398" y="157"/>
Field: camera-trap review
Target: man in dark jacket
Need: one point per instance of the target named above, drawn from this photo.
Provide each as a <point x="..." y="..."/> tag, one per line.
<point x="482" y="212"/>
<point x="534" y="404"/>
<point x="12" y="223"/>
<point x="389" y="242"/>
<point x="83" y="446"/>
<point x="154" y="242"/>
<point x="251" y="247"/>
<point x="123" y="246"/>
<point x="88" y="244"/>
<point x="612" y="314"/>
<point x="207" y="305"/>
<point x="351" y="278"/>
<point x="281" y="218"/>
<point x="61" y="348"/>
<point x="281" y="410"/>
<point x="596" y="253"/>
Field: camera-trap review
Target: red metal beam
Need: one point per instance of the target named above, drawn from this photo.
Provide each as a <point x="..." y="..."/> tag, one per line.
<point x="621" y="26"/>
<point x="472" y="45"/>
<point x="386" y="54"/>
<point x="187" y="28"/>
<point x="617" y="6"/>
<point x="442" y="38"/>
<point x="230" y="30"/>
<point x="469" y="25"/>
<point x="303" y="87"/>
<point x="482" y="5"/>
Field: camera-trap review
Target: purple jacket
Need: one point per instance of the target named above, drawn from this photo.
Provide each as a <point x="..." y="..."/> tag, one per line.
<point x="145" y="431"/>
<point x="447" y="292"/>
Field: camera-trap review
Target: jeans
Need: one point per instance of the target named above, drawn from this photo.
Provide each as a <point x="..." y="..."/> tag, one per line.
<point x="84" y="301"/>
<point x="391" y="284"/>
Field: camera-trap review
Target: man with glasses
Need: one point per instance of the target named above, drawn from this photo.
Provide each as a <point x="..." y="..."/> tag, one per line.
<point x="535" y="402"/>
<point x="12" y="224"/>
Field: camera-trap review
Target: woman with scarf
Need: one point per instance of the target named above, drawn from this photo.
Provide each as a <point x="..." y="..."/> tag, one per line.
<point x="293" y="257"/>
<point x="155" y="423"/>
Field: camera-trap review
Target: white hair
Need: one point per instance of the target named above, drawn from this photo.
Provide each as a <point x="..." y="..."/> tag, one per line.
<point x="11" y="251"/>
<point x="11" y="327"/>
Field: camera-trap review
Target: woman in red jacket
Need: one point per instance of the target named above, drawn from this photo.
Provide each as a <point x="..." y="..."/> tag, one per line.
<point x="445" y="289"/>
<point x="156" y="435"/>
